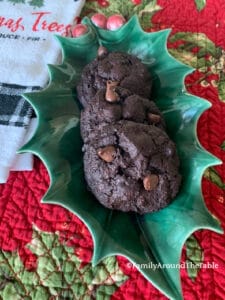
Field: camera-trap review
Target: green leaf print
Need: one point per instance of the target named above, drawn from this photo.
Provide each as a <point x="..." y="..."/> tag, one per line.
<point x="17" y="1"/>
<point x="145" y="10"/>
<point x="198" y="51"/>
<point x="212" y="175"/>
<point x="200" y="4"/>
<point x="221" y="87"/>
<point x="189" y="41"/>
<point x="185" y="57"/>
<point x="59" y="273"/>
<point x="36" y="3"/>
<point x="194" y="257"/>
<point x="223" y="145"/>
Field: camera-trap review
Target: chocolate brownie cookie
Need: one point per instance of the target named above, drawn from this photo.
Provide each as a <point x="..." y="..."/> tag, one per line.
<point x="132" y="167"/>
<point x="127" y="70"/>
<point x="127" y="107"/>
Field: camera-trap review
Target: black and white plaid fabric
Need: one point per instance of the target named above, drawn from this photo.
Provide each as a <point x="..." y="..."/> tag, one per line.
<point x="14" y="109"/>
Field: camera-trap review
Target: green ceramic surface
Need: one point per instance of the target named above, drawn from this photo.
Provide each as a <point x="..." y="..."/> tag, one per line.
<point x="152" y="238"/>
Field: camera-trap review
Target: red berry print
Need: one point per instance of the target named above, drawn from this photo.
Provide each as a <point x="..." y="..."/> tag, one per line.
<point x="136" y="2"/>
<point x="103" y="3"/>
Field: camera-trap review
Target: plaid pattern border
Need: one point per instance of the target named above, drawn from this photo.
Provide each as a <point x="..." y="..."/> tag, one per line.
<point x="14" y="109"/>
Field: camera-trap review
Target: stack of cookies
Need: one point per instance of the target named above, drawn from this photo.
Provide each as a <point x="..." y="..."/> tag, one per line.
<point x="130" y="163"/>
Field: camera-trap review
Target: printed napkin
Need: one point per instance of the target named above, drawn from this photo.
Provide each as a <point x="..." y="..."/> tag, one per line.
<point x="15" y="124"/>
<point x="27" y="45"/>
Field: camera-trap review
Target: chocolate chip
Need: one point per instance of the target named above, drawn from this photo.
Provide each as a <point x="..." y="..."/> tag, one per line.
<point x="107" y="153"/>
<point x="102" y="52"/>
<point x="154" y="118"/>
<point x="150" y="182"/>
<point x="110" y="94"/>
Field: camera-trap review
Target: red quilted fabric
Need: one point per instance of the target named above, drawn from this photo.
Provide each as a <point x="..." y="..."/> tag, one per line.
<point x="20" y="206"/>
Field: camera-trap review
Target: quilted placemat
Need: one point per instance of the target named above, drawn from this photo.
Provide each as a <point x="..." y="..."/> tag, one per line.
<point x="45" y="250"/>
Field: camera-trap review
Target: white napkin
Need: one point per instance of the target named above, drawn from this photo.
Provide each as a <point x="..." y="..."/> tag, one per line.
<point x="12" y="138"/>
<point x="25" y="161"/>
<point x="27" y="45"/>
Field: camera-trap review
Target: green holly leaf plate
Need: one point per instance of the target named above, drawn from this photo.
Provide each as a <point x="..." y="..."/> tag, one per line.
<point x="152" y="242"/>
